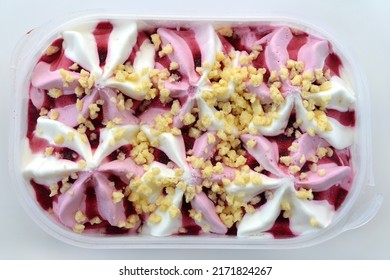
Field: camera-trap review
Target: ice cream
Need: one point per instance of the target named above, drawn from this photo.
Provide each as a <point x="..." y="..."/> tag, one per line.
<point x="239" y="130"/>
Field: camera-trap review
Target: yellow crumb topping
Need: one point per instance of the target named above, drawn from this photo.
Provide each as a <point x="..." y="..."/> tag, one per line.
<point x="142" y="152"/>
<point x="302" y="159"/>
<point x="66" y="77"/>
<point x="59" y="140"/>
<point x="132" y="221"/>
<point x="117" y="196"/>
<point x="227" y="219"/>
<point x="80" y="217"/>
<point x="53" y="190"/>
<point x="82" y="164"/>
<point x="79" y="90"/>
<point x="311" y="131"/>
<point x="321" y="172"/>
<point x="211" y="138"/>
<point x="43" y="112"/>
<point x="167" y="49"/>
<point x="154" y="219"/>
<point x="305" y="194"/>
<point x="251" y="143"/>
<point x="95" y="220"/>
<point x="314" y="222"/>
<point x="197" y="216"/>
<point x="286" y="160"/>
<point x="293" y="169"/>
<point x="52" y="50"/>
<point x="322" y="121"/>
<point x="81" y="119"/>
<point x="256" y="179"/>
<point x="321" y="152"/>
<point x="78" y="228"/>
<point x="285" y="206"/>
<point x="175" y="109"/>
<point x="55" y="92"/>
<point x="79" y="105"/>
<point x="174" y="66"/>
<point x="156" y="40"/>
<point x="326" y="86"/>
<point x="303" y="176"/>
<point x="174" y="212"/>
<point x="74" y="67"/>
<point x="188" y="119"/>
<point x="49" y="151"/>
<point x="226" y="31"/>
<point x="86" y="81"/>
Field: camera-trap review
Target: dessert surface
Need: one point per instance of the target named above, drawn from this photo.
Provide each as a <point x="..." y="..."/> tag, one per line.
<point x="232" y="130"/>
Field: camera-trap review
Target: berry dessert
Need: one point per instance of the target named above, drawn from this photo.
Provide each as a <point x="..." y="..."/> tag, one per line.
<point x="138" y="128"/>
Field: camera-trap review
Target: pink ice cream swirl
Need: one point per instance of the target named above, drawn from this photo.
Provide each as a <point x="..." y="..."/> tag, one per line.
<point x="174" y="148"/>
<point x="306" y="168"/>
<point x="99" y="97"/>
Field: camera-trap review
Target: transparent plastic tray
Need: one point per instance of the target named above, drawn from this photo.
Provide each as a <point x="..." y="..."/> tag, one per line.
<point x="360" y="206"/>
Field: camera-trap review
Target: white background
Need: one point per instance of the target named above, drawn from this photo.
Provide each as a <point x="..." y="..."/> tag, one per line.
<point x="363" y="25"/>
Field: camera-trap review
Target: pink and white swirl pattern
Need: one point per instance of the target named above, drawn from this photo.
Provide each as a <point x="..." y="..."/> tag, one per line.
<point x="99" y="48"/>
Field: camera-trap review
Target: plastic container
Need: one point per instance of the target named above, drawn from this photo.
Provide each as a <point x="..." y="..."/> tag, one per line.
<point x="359" y="207"/>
